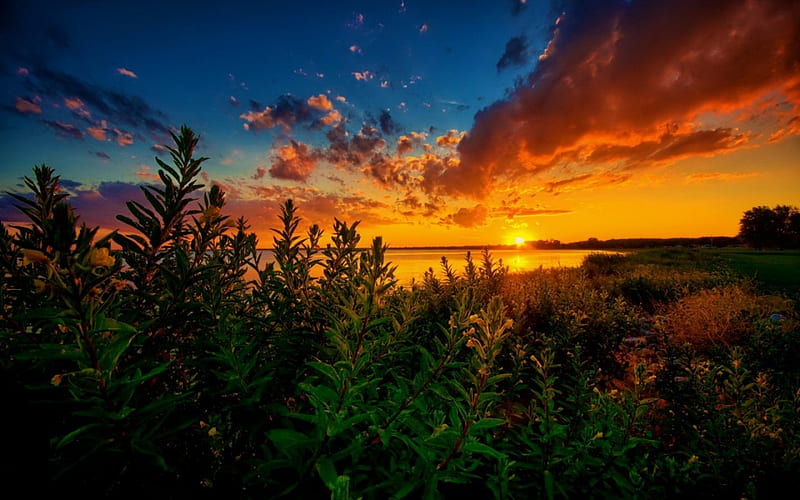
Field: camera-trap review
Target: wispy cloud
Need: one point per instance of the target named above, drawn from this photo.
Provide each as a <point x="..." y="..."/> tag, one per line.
<point x="26" y="106"/>
<point x="126" y="72"/>
<point x="86" y="100"/>
<point x="66" y="130"/>
<point x="719" y="176"/>
<point x="145" y="172"/>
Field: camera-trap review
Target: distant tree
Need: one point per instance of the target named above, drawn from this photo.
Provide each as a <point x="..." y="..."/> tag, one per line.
<point x="764" y="227"/>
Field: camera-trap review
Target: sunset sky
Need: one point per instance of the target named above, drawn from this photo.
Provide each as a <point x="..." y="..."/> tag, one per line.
<point x="431" y="122"/>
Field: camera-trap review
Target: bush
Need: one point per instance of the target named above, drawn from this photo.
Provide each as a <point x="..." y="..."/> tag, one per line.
<point x="159" y="368"/>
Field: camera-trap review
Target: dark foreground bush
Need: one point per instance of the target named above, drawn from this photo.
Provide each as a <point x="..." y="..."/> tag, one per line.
<point x="148" y="363"/>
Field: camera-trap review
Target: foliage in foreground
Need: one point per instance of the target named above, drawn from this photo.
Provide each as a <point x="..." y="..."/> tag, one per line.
<point x="160" y="368"/>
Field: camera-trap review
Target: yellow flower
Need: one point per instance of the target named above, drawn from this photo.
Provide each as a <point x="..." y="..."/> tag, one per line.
<point x="100" y="257"/>
<point x="33" y="257"/>
<point x="56" y="380"/>
<point x="210" y="214"/>
<point x="599" y="435"/>
<point x="212" y="432"/>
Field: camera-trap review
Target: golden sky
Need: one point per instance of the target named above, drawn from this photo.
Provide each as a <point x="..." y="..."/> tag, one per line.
<point x="597" y="119"/>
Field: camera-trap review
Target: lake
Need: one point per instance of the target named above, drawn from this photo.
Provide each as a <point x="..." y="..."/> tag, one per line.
<point x="412" y="263"/>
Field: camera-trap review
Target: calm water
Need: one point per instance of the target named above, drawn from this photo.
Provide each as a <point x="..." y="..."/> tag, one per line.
<point x="412" y="264"/>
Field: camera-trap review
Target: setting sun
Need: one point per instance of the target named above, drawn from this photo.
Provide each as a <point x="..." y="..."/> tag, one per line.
<point x="519" y="241"/>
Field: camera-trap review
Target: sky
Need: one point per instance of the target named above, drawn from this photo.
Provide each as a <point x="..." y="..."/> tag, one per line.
<point x="431" y="122"/>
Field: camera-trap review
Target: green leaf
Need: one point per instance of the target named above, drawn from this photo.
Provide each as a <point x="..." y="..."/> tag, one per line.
<point x="72" y="436"/>
<point x="548" y="485"/>
<point x="497" y="378"/>
<point x="326" y="370"/>
<point x="482" y="449"/>
<point x="288" y="441"/>
<point x="327" y="472"/>
<point x="487" y="423"/>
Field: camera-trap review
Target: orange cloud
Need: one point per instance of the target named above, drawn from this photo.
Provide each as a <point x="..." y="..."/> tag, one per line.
<point x="331" y="118"/>
<point x="73" y="103"/>
<point x="258" y="119"/>
<point x="98" y="133"/>
<point x="126" y="72"/>
<point x="613" y="78"/>
<point x="26" y="106"/>
<point x="719" y="176"/>
<point x="295" y="161"/>
<point x="554" y="186"/>
<point x="469" y="217"/>
<point x="451" y="139"/>
<point x="320" y="102"/>
<point x="144" y="172"/>
<point x="791" y="128"/>
<point x="260" y="172"/>
<point x="406" y="143"/>
<point x="123" y="138"/>
<point x="363" y="75"/>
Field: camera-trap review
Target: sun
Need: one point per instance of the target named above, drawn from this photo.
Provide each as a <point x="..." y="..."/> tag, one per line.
<point x="519" y="241"/>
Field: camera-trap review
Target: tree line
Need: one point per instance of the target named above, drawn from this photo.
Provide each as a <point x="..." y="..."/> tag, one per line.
<point x="775" y="228"/>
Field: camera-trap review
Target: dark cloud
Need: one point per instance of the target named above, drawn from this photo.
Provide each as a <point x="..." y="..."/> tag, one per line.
<point x="66" y="130"/>
<point x="355" y="151"/>
<point x="288" y="112"/>
<point x="388" y="125"/>
<point x="100" y="154"/>
<point x="516" y="53"/>
<point x="407" y="143"/>
<point x="517" y="6"/>
<point x="290" y="109"/>
<point x="116" y="107"/>
<point x="554" y="186"/>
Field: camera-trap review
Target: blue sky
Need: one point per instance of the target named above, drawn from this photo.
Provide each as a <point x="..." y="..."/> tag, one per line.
<point x="432" y="122"/>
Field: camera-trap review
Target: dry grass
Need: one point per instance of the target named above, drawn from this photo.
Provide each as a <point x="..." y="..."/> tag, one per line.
<point x="718" y="316"/>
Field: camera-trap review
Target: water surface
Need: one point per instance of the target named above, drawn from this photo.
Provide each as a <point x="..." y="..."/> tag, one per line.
<point x="412" y="263"/>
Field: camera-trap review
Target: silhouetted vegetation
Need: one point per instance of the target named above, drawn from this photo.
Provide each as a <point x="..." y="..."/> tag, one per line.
<point x="764" y="227"/>
<point x="153" y="368"/>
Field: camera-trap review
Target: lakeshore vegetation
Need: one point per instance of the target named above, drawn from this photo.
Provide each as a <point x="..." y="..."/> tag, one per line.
<point x="154" y="369"/>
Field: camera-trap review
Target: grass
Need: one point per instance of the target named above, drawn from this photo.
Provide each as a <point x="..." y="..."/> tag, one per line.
<point x="774" y="270"/>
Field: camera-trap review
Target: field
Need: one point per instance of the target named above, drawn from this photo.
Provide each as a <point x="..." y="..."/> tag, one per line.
<point x="774" y="270"/>
<point x="655" y="374"/>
